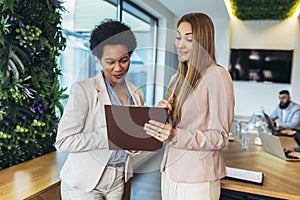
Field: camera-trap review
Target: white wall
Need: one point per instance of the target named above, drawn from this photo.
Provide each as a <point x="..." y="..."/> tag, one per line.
<point x="250" y="96"/>
<point x="222" y="41"/>
<point x="296" y="72"/>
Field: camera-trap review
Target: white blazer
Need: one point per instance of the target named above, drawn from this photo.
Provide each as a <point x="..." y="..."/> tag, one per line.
<point x="82" y="133"/>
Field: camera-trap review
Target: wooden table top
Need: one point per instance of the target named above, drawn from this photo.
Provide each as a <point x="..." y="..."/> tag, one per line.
<point x="25" y="179"/>
<point x="281" y="178"/>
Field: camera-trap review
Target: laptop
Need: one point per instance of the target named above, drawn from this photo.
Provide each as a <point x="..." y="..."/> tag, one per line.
<point x="272" y="128"/>
<point x="272" y="145"/>
<point x="125" y="127"/>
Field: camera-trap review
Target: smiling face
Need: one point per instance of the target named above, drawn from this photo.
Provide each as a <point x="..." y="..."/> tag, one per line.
<point x="115" y="62"/>
<point x="184" y="41"/>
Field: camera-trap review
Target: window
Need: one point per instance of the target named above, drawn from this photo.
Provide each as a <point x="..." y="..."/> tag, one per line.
<point x="142" y="68"/>
<point x="78" y="63"/>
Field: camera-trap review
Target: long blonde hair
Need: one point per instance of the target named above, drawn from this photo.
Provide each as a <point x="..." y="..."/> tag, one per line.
<point x="202" y="56"/>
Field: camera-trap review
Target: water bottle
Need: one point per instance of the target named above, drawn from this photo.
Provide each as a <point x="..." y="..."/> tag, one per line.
<point x="245" y="139"/>
<point x="262" y="111"/>
<point x="252" y="122"/>
<point x="264" y="126"/>
<point x="238" y="128"/>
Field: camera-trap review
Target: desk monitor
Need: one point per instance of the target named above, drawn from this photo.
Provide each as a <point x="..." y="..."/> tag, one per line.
<point x="272" y="145"/>
<point x="125" y="127"/>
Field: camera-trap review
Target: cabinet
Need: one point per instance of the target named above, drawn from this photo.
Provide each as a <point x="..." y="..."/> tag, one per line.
<point x="50" y="193"/>
<point x="37" y="179"/>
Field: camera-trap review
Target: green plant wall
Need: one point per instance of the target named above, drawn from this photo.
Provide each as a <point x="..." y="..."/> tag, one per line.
<point x="263" y="9"/>
<point x="30" y="42"/>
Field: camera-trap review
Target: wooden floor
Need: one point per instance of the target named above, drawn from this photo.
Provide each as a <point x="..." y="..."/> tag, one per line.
<point x="146" y="186"/>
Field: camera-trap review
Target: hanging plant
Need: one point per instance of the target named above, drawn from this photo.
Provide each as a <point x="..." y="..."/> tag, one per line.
<point x="263" y="10"/>
<point x="31" y="40"/>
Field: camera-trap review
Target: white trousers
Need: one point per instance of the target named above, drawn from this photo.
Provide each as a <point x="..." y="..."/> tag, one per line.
<point x="110" y="187"/>
<point x="171" y="190"/>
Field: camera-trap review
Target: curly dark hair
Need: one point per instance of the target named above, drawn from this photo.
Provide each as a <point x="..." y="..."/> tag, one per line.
<point x="111" y="32"/>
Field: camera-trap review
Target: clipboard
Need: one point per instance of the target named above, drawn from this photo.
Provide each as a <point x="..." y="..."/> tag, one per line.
<point x="125" y="127"/>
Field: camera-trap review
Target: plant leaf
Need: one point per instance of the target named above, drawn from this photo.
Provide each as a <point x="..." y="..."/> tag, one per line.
<point x="17" y="60"/>
<point x="12" y="67"/>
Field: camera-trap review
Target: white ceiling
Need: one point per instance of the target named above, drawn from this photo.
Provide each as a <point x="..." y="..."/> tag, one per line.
<point x="213" y="8"/>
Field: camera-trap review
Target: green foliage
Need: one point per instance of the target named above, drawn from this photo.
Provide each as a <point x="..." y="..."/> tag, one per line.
<point x="263" y="9"/>
<point x="30" y="42"/>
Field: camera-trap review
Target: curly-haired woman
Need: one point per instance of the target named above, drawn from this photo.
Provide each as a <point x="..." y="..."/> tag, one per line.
<point x="91" y="171"/>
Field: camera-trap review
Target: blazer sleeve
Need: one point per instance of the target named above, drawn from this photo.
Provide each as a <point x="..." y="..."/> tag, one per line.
<point x="294" y="123"/>
<point x="219" y="91"/>
<point x="274" y="115"/>
<point x="73" y="136"/>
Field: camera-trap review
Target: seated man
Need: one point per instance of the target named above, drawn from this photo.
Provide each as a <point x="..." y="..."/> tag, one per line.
<point x="287" y="113"/>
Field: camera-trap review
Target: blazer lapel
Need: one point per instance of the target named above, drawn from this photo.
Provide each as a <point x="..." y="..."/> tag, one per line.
<point x="288" y="112"/>
<point x="102" y="93"/>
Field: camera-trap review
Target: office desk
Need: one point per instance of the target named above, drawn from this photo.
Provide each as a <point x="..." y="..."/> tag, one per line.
<point x="37" y="179"/>
<point x="281" y="178"/>
<point x="34" y="179"/>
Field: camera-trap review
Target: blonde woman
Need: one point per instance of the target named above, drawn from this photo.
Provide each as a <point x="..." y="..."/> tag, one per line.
<point x="201" y="103"/>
